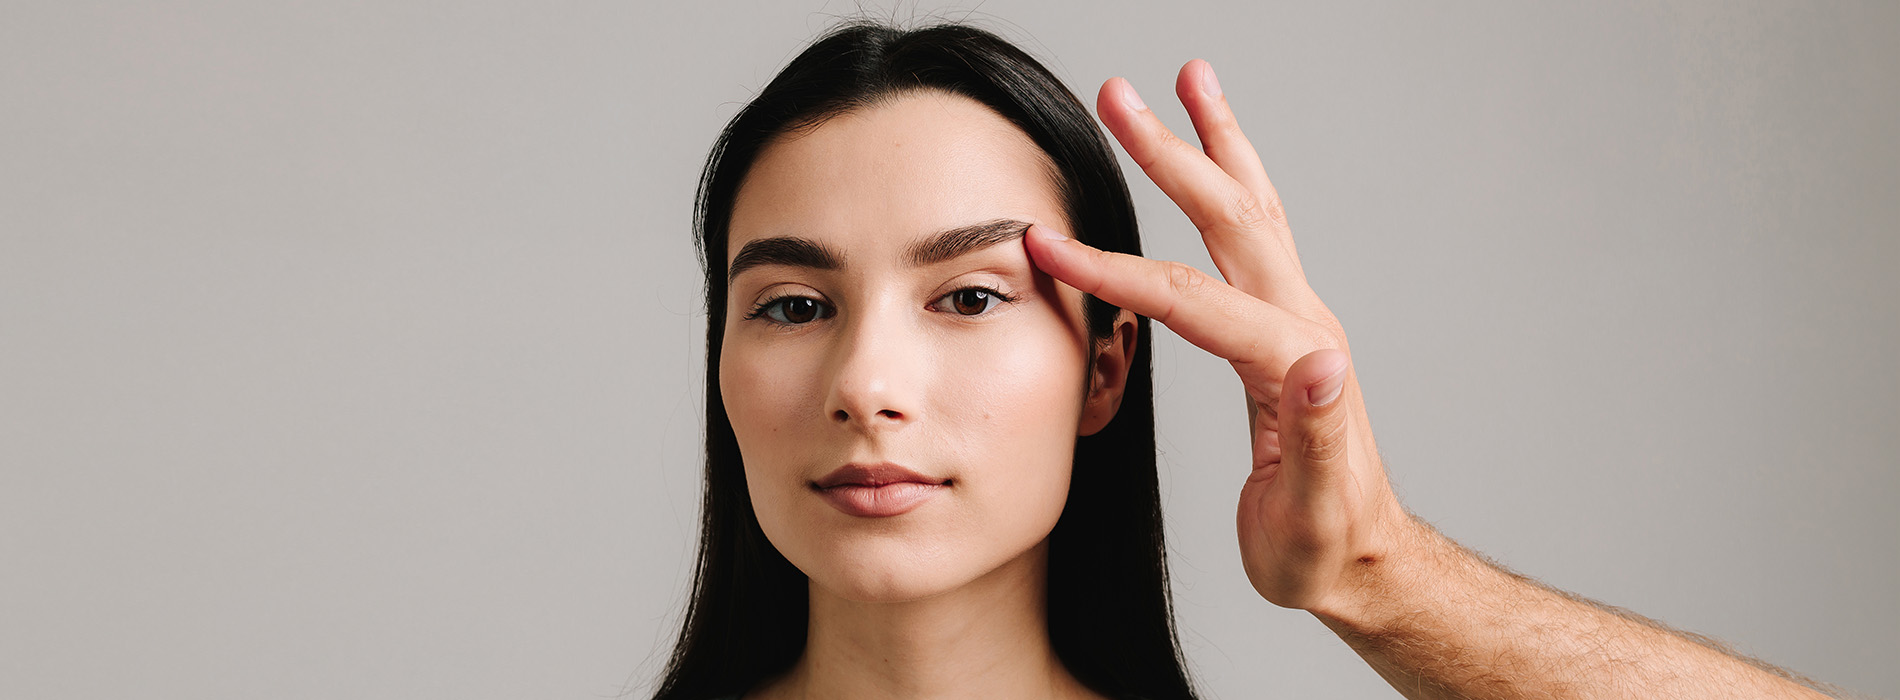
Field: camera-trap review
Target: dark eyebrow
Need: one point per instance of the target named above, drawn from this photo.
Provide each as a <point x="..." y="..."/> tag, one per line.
<point x="944" y="245"/>
<point x="950" y="243"/>
<point x="783" y="250"/>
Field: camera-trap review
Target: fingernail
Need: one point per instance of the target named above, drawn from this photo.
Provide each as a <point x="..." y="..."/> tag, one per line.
<point x="1327" y="389"/>
<point x="1046" y="233"/>
<point x="1134" y="99"/>
<point x="1212" y="85"/>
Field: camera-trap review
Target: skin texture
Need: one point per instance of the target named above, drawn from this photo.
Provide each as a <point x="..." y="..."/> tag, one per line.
<point x="945" y="600"/>
<point x="1319" y="526"/>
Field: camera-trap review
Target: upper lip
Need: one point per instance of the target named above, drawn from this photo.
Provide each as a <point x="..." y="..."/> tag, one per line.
<point x="873" y="475"/>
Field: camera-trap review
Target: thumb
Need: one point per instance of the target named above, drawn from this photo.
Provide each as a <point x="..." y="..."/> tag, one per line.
<point x="1313" y="424"/>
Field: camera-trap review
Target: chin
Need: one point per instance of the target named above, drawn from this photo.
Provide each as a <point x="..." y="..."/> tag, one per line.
<point x="858" y="587"/>
<point x="887" y="572"/>
<point x="899" y="570"/>
<point x="911" y="557"/>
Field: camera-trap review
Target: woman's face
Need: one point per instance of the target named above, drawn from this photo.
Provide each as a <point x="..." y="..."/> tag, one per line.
<point x="905" y="386"/>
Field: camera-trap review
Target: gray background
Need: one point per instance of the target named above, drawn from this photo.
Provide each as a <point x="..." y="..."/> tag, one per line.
<point x="349" y="349"/>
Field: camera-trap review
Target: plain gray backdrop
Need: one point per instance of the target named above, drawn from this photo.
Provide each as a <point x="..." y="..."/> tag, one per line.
<point x="352" y="349"/>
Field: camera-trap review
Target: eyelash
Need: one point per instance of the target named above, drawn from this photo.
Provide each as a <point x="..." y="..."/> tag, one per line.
<point x="763" y="307"/>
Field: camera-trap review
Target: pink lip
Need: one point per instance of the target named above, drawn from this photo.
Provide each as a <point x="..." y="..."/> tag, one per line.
<point x="877" y="490"/>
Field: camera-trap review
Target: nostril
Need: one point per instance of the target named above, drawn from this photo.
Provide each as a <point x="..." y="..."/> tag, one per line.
<point x="844" y="416"/>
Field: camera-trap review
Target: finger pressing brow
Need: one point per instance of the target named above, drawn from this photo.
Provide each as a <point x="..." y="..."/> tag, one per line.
<point x="1258" y="337"/>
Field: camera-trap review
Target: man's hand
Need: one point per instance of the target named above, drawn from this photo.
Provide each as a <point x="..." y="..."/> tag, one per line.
<point x="1316" y="502"/>
<point x="1319" y="526"/>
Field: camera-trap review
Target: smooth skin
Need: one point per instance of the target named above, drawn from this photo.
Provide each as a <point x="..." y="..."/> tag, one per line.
<point x="948" y="600"/>
<point x="1319" y="526"/>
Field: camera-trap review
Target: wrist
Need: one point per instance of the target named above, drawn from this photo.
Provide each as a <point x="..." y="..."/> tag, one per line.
<point x="1407" y="568"/>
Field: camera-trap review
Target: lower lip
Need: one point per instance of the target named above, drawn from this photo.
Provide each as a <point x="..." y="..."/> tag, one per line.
<point x="880" y="501"/>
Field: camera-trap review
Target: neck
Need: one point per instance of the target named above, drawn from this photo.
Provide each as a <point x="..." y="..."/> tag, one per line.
<point x="987" y="639"/>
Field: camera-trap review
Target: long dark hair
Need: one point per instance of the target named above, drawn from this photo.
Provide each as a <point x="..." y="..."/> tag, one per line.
<point x="1110" y="617"/>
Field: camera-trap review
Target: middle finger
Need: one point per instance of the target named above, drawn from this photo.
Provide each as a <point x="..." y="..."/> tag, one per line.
<point x="1234" y="222"/>
<point x="1226" y="145"/>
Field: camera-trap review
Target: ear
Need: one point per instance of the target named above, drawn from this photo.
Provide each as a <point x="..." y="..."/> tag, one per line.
<point x="1108" y="376"/>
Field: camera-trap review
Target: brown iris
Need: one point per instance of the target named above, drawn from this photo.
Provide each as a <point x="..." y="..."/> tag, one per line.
<point x="799" y="310"/>
<point x="970" y="302"/>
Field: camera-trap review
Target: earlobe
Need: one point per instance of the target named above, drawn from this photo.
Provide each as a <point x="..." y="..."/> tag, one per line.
<point x="1108" y="376"/>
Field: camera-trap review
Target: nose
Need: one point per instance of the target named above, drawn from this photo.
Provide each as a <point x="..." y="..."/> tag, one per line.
<point x="876" y="383"/>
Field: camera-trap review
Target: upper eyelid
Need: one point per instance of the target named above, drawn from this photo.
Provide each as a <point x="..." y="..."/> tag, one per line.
<point x="769" y="299"/>
<point x="781" y="290"/>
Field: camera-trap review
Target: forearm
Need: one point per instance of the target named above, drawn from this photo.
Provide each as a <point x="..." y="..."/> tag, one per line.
<point x="1441" y="622"/>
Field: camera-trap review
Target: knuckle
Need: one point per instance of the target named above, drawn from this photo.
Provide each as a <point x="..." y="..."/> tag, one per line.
<point x="1321" y="325"/>
<point x="1184" y="279"/>
<point x="1276" y="212"/>
<point x="1165" y="145"/>
<point x="1325" y="441"/>
<point x="1251" y="212"/>
<point x="1247" y="212"/>
<point x="1168" y="142"/>
<point x="1222" y="123"/>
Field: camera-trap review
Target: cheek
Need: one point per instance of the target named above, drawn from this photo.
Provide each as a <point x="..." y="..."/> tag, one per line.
<point x="1023" y="375"/>
<point x="1018" y="411"/>
<point x="1036" y="376"/>
<point x="768" y="399"/>
<point x="1028" y="374"/>
<point x="769" y="396"/>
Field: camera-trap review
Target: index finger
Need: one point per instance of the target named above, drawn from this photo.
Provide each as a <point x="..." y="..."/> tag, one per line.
<point x="1260" y="339"/>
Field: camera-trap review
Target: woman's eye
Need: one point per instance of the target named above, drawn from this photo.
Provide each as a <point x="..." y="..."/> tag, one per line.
<point x="793" y="311"/>
<point x="971" y="301"/>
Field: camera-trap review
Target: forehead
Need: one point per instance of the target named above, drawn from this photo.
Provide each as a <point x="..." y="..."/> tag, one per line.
<point x="885" y="174"/>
